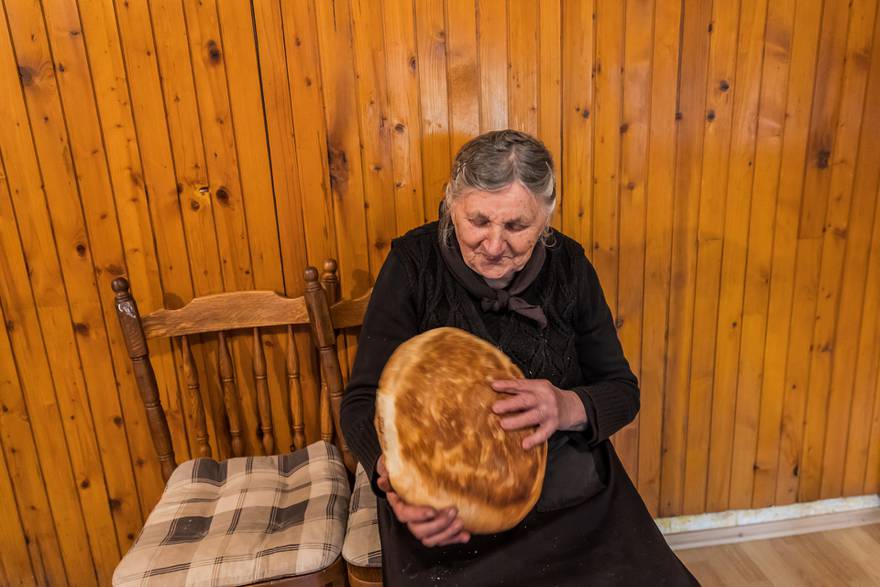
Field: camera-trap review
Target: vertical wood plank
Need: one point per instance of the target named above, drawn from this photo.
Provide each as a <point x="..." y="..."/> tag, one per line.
<point x="463" y="73"/>
<point x="403" y="106"/>
<point x="40" y="555"/>
<point x="306" y="90"/>
<point x="872" y="473"/>
<point x="290" y="81"/>
<point x="375" y="124"/>
<point x="839" y="235"/>
<point x="860" y="174"/>
<point x="550" y="89"/>
<point x="493" y="41"/>
<point x="825" y="107"/>
<point x="658" y="188"/>
<point x="691" y="117"/>
<point x="577" y="103"/>
<point x="346" y="178"/>
<point x="135" y="227"/>
<point x="867" y="366"/>
<point x="176" y="288"/>
<point x="435" y="143"/>
<point x="76" y="310"/>
<point x="522" y="56"/>
<point x="704" y="434"/>
<point x="15" y="561"/>
<point x="247" y="123"/>
<point x="762" y="225"/>
<point x="101" y="356"/>
<point x="775" y="387"/>
<point x="734" y="448"/>
<point x="638" y="51"/>
<point x="179" y="89"/>
<point x="24" y="204"/>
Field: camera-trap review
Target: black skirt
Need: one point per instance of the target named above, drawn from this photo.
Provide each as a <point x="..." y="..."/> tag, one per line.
<point x="608" y="539"/>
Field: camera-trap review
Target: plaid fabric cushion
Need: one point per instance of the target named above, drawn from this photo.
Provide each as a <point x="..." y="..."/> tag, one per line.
<point x="362" y="547"/>
<point x="243" y="520"/>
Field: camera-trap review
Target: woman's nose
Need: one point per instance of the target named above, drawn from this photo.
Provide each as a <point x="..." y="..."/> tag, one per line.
<point x="494" y="244"/>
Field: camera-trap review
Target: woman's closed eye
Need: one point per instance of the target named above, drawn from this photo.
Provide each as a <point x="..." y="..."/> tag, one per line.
<point x="515" y="226"/>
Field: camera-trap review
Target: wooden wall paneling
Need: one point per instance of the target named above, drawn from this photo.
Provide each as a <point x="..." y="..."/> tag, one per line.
<point x="659" y="183"/>
<point x="635" y="127"/>
<point x="686" y="197"/>
<point x="809" y="255"/>
<point x="735" y="448"/>
<point x="346" y="179"/>
<point x="764" y="439"/>
<point x="346" y="173"/>
<point x="176" y="288"/>
<point x="250" y="137"/>
<point x="463" y="72"/>
<point x="522" y="56"/>
<point x="135" y="229"/>
<point x="430" y="25"/>
<point x="208" y="58"/>
<point x="872" y="472"/>
<point x="299" y="242"/>
<point x="493" y="41"/>
<point x="20" y="295"/>
<point x="375" y="123"/>
<point x="847" y="236"/>
<point x="15" y="561"/>
<point x="185" y="129"/>
<point x="863" y="55"/>
<point x="705" y="434"/>
<point x="820" y="212"/>
<point x="577" y="105"/>
<point x="185" y="133"/>
<point x="401" y="55"/>
<point x="867" y="366"/>
<point x="306" y="89"/>
<point x="609" y="127"/>
<point x="826" y="102"/>
<point x="776" y="390"/>
<point x="550" y="90"/>
<point x="307" y="95"/>
<point x="235" y="51"/>
<point x="42" y="559"/>
<point x="77" y="309"/>
<point x="101" y="356"/>
<point x="381" y="185"/>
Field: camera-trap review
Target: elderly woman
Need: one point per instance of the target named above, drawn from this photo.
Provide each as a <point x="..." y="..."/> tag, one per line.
<point x="493" y="266"/>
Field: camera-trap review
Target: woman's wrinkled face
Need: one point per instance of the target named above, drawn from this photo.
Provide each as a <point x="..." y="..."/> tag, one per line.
<point x="497" y="231"/>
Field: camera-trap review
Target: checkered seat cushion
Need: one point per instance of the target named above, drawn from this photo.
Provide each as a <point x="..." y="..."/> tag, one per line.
<point x="362" y="547"/>
<point x="243" y="520"/>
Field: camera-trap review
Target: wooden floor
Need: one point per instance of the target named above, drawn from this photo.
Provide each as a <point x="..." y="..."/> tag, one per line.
<point x="850" y="557"/>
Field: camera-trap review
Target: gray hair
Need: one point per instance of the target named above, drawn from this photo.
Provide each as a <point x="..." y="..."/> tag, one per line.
<point x="492" y="162"/>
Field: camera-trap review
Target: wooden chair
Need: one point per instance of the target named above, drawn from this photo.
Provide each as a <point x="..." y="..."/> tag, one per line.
<point x="273" y="519"/>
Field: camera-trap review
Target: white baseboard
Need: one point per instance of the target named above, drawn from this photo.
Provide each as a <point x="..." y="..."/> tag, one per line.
<point x="740" y="525"/>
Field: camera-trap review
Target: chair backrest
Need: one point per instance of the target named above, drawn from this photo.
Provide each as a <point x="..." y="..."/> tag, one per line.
<point x="256" y="312"/>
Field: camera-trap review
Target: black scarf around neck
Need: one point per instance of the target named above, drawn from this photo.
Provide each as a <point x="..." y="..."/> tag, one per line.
<point x="497" y="300"/>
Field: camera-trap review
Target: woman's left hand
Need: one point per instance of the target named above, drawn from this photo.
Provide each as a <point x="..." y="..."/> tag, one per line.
<point x="537" y="402"/>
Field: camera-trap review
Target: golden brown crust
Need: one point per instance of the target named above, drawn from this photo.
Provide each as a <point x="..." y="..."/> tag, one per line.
<point x="443" y="445"/>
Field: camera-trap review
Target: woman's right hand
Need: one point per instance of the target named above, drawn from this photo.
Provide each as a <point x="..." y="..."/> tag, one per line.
<point x="430" y="526"/>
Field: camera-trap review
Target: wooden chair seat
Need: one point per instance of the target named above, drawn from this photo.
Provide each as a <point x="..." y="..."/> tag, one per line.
<point x="243" y="520"/>
<point x="362" y="547"/>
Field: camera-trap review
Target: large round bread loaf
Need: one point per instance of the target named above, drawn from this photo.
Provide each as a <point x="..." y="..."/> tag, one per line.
<point x="442" y="443"/>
